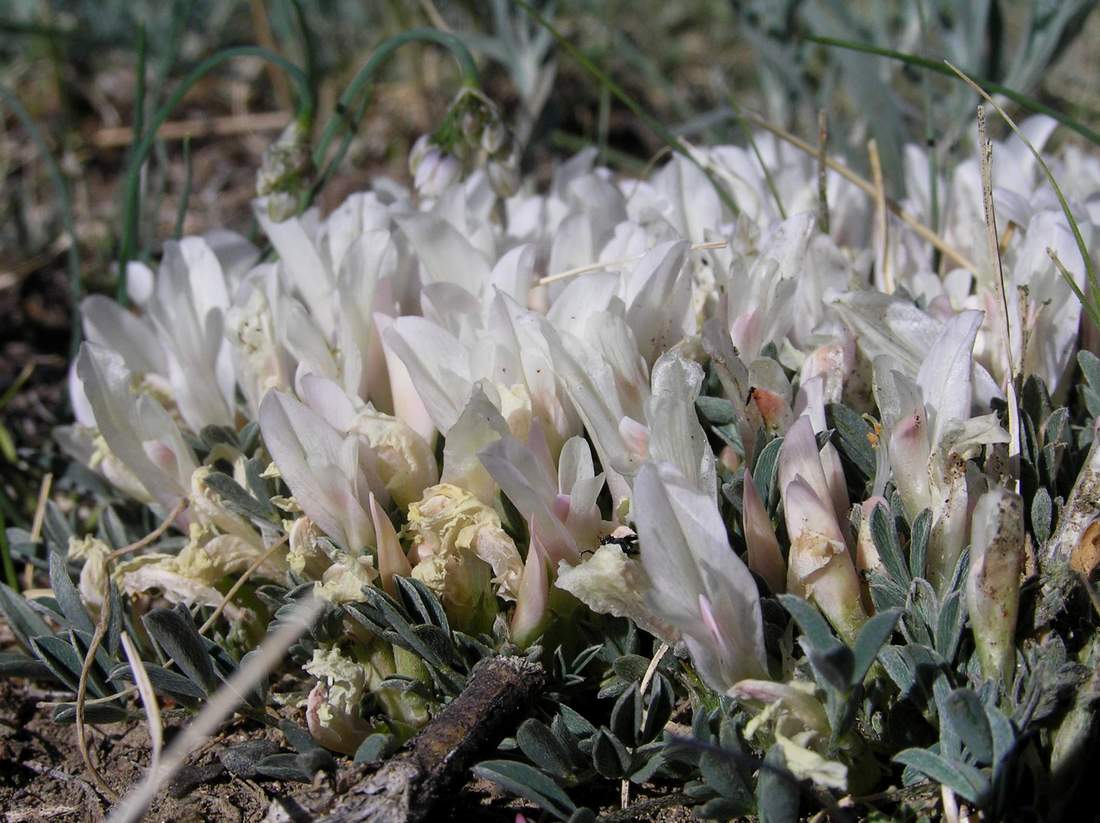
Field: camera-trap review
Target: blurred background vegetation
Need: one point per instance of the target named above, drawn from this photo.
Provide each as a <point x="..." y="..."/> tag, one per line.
<point x="73" y="65"/>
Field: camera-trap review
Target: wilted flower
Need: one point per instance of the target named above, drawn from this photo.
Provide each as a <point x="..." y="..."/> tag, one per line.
<point x="819" y="566"/>
<point x="457" y="542"/>
<point x="533" y="599"/>
<point x="94" y="574"/>
<point x="794" y="718"/>
<point x="993" y="583"/>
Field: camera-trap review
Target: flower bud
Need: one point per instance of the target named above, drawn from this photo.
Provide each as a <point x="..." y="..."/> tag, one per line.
<point x="529" y="618"/>
<point x="406" y="464"/>
<point x="764" y="556"/>
<point x="819" y="566"/>
<point x="284" y="174"/>
<point x="909" y="455"/>
<point x="391" y="557"/>
<point x="305" y="557"/>
<point x="94" y="574"/>
<point x="333" y="706"/>
<point x="993" y="584"/>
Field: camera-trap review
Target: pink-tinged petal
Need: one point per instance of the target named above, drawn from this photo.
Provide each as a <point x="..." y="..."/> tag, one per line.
<point x="676" y="435"/>
<point x="438" y="364"/>
<point x="658" y="294"/>
<point x="307" y="451"/>
<point x="833" y="363"/>
<point x="636" y="437"/>
<point x="811" y="402"/>
<point x="838" y="486"/>
<point x="909" y="456"/>
<point x="108" y="324"/>
<point x="773" y="407"/>
<point x="523" y="480"/>
<point x="329" y="400"/>
<point x="804" y="509"/>
<point x="445" y="255"/>
<point x="392" y="561"/>
<point x="764" y="556"/>
<point x="867" y="557"/>
<point x="819" y="566"/>
<point x="533" y="599"/>
<point x="560" y="507"/>
<point x="686" y="554"/>
<point x="515" y="272"/>
<point x="106" y="383"/>
<point x="745" y="333"/>
<point x="799" y="457"/>
<point x="407" y="404"/>
<point x="807" y="707"/>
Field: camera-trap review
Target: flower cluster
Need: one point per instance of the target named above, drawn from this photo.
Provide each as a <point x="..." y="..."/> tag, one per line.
<point x="501" y="392"/>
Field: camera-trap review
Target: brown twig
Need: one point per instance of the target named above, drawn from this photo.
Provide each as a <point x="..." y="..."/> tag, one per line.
<point x="882" y="225"/>
<point x="868" y="188"/>
<point x="154" y="535"/>
<point x="986" y="149"/>
<point x="81" y="695"/>
<point x="646" y="807"/>
<point x="225" y="126"/>
<point x="36" y="524"/>
<point x="406" y="787"/>
<point x="822" y="168"/>
<point x="236" y="587"/>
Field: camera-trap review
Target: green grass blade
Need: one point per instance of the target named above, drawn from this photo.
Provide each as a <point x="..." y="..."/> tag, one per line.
<point x="1029" y="103"/>
<point x="131" y="198"/>
<point x="1091" y="305"/>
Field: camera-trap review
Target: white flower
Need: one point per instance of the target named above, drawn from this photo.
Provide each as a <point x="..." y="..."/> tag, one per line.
<point x="699" y="585"/>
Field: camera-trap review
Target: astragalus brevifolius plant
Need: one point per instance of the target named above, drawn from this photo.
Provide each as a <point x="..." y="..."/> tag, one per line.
<point x="795" y="504"/>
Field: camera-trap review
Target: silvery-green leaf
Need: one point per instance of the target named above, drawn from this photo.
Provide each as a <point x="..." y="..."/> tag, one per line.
<point x="164" y="680"/>
<point x="56" y="528"/>
<point x="723" y="776"/>
<point x="874" y="634"/>
<point x="542" y="747"/>
<point x="966" y="714"/>
<point x="20" y="617"/>
<point x="949" y="625"/>
<point x="918" y="543"/>
<point x="659" y="709"/>
<point x="528" y="782"/>
<point x="885" y="536"/>
<point x="630" y="667"/>
<point x="17" y="664"/>
<point x="609" y="755"/>
<point x="68" y="598"/>
<point x="809" y="619"/>
<point x="177" y="637"/>
<point x="777" y="790"/>
<point x="96" y="714"/>
<point x="852" y="435"/>
<point x="421" y="601"/>
<point x="717" y="411"/>
<point x="964" y="780"/>
<point x="374" y="748"/>
<point x="61" y="658"/>
<point x="1042" y="515"/>
<point x="626" y="715"/>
